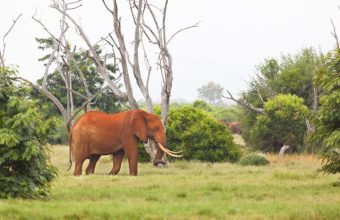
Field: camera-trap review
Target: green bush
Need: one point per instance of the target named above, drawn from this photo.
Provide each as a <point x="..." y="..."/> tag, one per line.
<point x="25" y="169"/>
<point x="200" y="136"/>
<point x="253" y="160"/>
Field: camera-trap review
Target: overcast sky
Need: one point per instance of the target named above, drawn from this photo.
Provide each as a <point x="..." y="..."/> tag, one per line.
<point x="233" y="36"/>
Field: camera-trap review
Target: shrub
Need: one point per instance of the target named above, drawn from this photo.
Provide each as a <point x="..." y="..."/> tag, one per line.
<point x="25" y="169"/>
<point x="253" y="160"/>
<point x="200" y="136"/>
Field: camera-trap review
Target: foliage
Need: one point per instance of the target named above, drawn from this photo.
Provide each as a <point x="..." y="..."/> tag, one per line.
<point x="25" y="170"/>
<point x="290" y="75"/>
<point x="328" y="117"/>
<point x="106" y="101"/>
<point x="222" y="113"/>
<point x="59" y="134"/>
<point x="211" y="92"/>
<point x="283" y="123"/>
<point x="253" y="160"/>
<point x="200" y="136"/>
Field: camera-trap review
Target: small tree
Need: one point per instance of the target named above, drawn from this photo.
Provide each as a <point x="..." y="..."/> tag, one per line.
<point x="25" y="169"/>
<point x="200" y="136"/>
<point x="282" y="123"/>
<point x="211" y="92"/>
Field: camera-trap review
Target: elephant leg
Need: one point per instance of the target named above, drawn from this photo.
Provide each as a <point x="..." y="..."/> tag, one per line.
<point x="132" y="155"/>
<point x="79" y="160"/>
<point x="117" y="162"/>
<point x="92" y="165"/>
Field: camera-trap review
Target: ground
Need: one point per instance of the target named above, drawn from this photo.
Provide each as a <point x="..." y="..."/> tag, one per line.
<point x="289" y="188"/>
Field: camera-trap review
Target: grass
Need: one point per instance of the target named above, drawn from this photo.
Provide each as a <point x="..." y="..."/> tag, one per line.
<point x="288" y="188"/>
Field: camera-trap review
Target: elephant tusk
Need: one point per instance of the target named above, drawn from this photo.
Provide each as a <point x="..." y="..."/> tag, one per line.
<point x="175" y="152"/>
<point x="167" y="151"/>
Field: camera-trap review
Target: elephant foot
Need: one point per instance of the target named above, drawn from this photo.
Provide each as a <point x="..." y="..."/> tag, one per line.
<point x="113" y="173"/>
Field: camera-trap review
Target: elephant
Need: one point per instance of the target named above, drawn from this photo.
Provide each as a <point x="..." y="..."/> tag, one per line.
<point x="97" y="133"/>
<point x="235" y="127"/>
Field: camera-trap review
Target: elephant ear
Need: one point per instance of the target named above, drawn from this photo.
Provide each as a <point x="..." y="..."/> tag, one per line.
<point x="139" y="125"/>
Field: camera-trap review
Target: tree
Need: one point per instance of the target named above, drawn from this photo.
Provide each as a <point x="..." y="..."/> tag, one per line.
<point x="282" y="123"/>
<point x="292" y="74"/>
<point x="211" y="92"/>
<point x="25" y="169"/>
<point x="200" y="136"/>
<point x="327" y="119"/>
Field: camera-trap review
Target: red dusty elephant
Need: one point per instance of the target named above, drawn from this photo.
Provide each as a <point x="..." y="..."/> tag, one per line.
<point x="98" y="133"/>
<point x="235" y="127"/>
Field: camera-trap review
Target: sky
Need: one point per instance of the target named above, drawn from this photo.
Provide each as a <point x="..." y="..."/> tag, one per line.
<point x="232" y="38"/>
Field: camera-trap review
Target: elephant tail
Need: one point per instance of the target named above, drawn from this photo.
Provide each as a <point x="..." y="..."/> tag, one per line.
<point x="70" y="151"/>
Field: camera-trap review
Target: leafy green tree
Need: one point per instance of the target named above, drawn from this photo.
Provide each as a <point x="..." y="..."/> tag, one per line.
<point x="200" y="136"/>
<point x="25" y="169"/>
<point x="297" y="72"/>
<point x="282" y="123"/>
<point x="327" y="131"/>
<point x="211" y="92"/>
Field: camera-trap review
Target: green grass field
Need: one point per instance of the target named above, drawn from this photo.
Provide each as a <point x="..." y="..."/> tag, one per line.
<point x="289" y="188"/>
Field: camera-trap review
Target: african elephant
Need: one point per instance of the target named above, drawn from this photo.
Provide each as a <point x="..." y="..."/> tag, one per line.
<point x="97" y="133"/>
<point x="235" y="127"/>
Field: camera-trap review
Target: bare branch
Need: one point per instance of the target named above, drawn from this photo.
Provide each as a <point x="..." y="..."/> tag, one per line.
<point x="85" y="104"/>
<point x="183" y="29"/>
<point x="48" y="95"/>
<point x="100" y="68"/>
<point x="164" y="18"/>
<point x="2" y="52"/>
<point x="335" y="35"/>
<point x="56" y="43"/>
<point x="244" y="104"/>
<point x="259" y="95"/>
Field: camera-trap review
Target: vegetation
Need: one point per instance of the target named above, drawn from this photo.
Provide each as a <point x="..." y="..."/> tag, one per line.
<point x="222" y="113"/>
<point x="253" y="160"/>
<point x="284" y="89"/>
<point x="25" y="169"/>
<point x="200" y="136"/>
<point x="327" y="119"/>
<point x="81" y="65"/>
<point x="289" y="188"/>
<point x="283" y="123"/>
